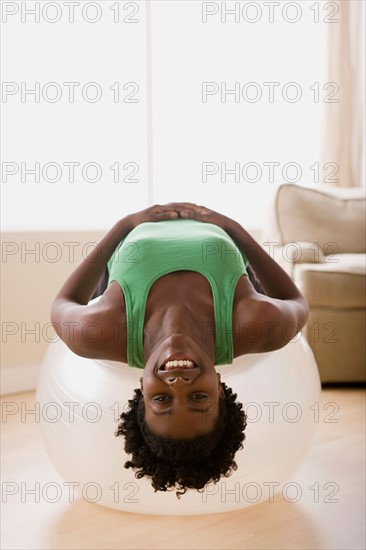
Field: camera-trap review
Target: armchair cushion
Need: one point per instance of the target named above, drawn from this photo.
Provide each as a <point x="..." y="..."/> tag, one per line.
<point x="333" y="217"/>
<point x="336" y="285"/>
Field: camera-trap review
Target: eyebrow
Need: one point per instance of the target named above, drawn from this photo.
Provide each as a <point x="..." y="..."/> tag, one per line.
<point x="169" y="411"/>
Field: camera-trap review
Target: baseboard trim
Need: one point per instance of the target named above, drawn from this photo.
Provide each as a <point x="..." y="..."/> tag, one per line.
<point x="19" y="379"/>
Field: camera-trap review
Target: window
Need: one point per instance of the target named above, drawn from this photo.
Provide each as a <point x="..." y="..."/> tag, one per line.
<point x="111" y="106"/>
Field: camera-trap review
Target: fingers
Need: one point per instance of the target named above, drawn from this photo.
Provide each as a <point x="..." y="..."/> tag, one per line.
<point x="174" y="210"/>
<point x="187" y="213"/>
<point x="186" y="207"/>
<point x="166" y="214"/>
<point x="169" y="215"/>
<point x="180" y="205"/>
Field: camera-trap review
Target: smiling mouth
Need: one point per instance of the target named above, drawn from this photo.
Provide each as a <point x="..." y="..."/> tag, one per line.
<point x="178" y="361"/>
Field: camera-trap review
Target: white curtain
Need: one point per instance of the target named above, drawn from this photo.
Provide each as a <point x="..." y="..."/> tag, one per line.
<point x="343" y="133"/>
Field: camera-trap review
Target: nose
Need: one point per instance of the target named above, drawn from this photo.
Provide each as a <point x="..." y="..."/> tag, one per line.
<point x="179" y="376"/>
<point x="178" y="379"/>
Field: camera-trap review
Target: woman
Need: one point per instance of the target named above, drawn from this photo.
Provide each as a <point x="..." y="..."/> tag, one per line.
<point x="176" y="301"/>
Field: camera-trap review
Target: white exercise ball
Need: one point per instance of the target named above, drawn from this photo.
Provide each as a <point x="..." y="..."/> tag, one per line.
<point x="81" y="401"/>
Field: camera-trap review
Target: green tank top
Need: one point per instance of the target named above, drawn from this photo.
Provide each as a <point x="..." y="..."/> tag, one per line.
<point x="154" y="249"/>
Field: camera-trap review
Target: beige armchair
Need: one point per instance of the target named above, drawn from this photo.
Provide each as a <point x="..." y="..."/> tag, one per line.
<point x="318" y="237"/>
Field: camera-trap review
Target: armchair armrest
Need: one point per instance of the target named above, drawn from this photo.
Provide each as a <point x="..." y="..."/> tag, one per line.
<point x="294" y="253"/>
<point x="303" y="252"/>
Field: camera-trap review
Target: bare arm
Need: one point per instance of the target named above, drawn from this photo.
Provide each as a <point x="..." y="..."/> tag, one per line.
<point x="79" y="286"/>
<point x="70" y="308"/>
<point x="273" y="278"/>
<point x="284" y="311"/>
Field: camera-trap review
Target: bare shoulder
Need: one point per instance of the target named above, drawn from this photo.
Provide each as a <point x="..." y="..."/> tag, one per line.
<point x="262" y="323"/>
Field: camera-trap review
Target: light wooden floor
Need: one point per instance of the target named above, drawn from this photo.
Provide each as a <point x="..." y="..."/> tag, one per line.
<point x="337" y="458"/>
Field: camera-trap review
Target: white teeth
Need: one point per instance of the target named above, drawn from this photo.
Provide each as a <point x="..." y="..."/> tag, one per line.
<point x="179" y="363"/>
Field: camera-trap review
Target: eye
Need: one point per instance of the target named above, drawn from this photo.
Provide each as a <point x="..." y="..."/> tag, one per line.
<point x="161" y="398"/>
<point x="198" y="396"/>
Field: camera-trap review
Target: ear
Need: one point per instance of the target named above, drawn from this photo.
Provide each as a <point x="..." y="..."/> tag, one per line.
<point x="141" y="384"/>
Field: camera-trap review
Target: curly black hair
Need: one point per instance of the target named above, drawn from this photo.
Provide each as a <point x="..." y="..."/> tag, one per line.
<point x="183" y="464"/>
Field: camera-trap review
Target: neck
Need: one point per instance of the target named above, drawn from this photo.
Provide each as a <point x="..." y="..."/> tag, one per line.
<point x="179" y="328"/>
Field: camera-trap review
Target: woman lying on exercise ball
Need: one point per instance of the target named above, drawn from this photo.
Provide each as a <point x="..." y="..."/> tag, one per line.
<point x="178" y="298"/>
